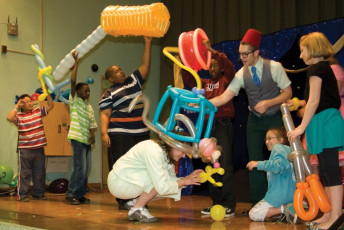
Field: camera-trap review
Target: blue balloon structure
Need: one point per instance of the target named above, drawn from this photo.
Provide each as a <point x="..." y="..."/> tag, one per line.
<point x="181" y="100"/>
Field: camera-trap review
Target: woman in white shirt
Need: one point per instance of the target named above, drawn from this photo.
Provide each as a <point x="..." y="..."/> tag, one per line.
<point x="147" y="171"/>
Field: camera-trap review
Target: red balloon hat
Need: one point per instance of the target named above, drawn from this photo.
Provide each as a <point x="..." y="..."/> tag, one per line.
<point x="192" y="51"/>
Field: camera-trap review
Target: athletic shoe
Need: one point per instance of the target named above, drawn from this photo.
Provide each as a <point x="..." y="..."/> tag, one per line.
<point x="72" y="200"/>
<point x="84" y="200"/>
<point x="142" y="215"/>
<point x="39" y="197"/>
<point x="229" y="212"/>
<point x="206" y="211"/>
<point x="290" y="214"/>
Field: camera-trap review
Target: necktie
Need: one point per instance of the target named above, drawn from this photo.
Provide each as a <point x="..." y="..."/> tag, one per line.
<point x="255" y="76"/>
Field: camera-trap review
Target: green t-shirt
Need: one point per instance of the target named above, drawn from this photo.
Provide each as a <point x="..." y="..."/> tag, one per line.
<point x="82" y="120"/>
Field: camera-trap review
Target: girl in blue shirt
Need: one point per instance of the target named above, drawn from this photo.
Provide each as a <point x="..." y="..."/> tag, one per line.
<point x="280" y="176"/>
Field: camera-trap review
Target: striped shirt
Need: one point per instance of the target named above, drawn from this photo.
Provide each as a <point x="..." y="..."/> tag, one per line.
<point x="118" y="98"/>
<point x="82" y="120"/>
<point x="30" y="128"/>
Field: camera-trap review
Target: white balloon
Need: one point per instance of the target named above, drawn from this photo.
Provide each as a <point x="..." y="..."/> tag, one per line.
<point x="84" y="47"/>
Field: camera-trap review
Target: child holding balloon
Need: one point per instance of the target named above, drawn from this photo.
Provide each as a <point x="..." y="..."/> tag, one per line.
<point x="221" y="71"/>
<point x="281" y="179"/>
<point x="31" y="142"/>
<point x="81" y="136"/>
<point x="147" y="171"/>
<point x="322" y="121"/>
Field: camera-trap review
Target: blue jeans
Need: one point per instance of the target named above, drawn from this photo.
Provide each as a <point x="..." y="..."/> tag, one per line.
<point x="81" y="166"/>
<point x="31" y="166"/>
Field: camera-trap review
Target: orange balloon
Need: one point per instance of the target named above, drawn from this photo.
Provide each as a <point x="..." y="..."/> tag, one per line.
<point x="319" y="193"/>
<point x="150" y="20"/>
<point x="299" y="195"/>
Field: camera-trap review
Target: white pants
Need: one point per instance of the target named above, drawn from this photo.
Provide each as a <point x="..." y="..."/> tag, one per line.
<point x="123" y="189"/>
<point x="258" y="212"/>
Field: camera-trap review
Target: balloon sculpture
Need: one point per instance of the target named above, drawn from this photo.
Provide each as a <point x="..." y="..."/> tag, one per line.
<point x="309" y="187"/>
<point x="7" y="177"/>
<point x="165" y="130"/>
<point x="46" y="79"/>
<point x="207" y="175"/>
<point x="150" y="20"/>
<point x="192" y="52"/>
<point x="41" y="65"/>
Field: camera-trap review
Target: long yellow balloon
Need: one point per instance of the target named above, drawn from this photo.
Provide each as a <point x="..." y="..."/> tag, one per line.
<point x="166" y="51"/>
<point x="40" y="78"/>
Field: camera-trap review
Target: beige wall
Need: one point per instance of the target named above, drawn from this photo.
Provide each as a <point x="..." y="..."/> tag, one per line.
<point x="66" y="23"/>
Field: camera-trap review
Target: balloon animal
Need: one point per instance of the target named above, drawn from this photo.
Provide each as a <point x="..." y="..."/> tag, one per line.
<point x="149" y="20"/>
<point x="207" y="175"/>
<point x="309" y="187"/>
<point x="7" y="177"/>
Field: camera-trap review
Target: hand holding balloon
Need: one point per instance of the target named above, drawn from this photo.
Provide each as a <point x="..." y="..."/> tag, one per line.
<point x="192" y="179"/>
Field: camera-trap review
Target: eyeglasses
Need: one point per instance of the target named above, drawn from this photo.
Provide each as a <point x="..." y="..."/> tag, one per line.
<point x="245" y="55"/>
<point x="269" y="138"/>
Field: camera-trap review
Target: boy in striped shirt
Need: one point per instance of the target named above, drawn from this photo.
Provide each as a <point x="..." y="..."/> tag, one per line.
<point x="31" y="142"/>
<point x="81" y="135"/>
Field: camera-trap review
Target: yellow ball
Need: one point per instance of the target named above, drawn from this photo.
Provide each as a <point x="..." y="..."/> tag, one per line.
<point x="217" y="212"/>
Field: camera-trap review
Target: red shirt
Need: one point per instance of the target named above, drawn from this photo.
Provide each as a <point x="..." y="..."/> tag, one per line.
<point x="215" y="87"/>
<point x="30" y="129"/>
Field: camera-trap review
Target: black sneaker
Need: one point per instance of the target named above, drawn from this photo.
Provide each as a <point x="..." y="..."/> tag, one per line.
<point x="39" y="197"/>
<point x="122" y="205"/>
<point x="72" y="200"/>
<point x="84" y="200"/>
<point x="229" y="212"/>
<point x="206" y="211"/>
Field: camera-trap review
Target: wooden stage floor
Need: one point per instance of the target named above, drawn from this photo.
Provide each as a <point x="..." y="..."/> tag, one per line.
<point x="102" y="213"/>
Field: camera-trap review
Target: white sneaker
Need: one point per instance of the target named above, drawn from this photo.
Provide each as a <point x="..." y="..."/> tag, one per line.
<point x="142" y="215"/>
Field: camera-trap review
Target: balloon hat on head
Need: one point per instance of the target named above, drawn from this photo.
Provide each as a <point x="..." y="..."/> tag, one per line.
<point x="165" y="131"/>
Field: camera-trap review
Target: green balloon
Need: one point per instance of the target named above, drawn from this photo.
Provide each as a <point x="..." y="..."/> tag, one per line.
<point x="6" y="174"/>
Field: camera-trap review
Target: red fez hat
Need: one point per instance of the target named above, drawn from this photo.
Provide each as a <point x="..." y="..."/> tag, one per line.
<point x="252" y="37"/>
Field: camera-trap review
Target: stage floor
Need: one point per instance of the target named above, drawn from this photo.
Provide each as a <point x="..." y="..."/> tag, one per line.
<point x="102" y="213"/>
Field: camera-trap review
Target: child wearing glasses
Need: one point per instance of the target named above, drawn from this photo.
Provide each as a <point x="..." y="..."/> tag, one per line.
<point x="281" y="179"/>
<point x="31" y="142"/>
